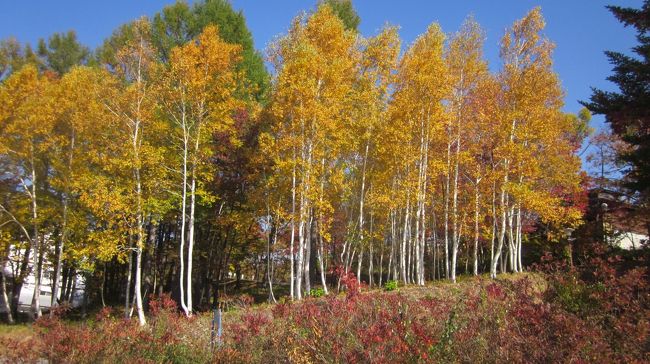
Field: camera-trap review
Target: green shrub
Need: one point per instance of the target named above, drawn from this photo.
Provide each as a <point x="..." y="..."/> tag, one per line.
<point x="317" y="292"/>
<point x="390" y="285"/>
<point x="574" y="295"/>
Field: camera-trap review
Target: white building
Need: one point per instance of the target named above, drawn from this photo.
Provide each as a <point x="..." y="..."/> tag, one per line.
<point x="621" y="222"/>
<point x="27" y="291"/>
<point x="627" y="240"/>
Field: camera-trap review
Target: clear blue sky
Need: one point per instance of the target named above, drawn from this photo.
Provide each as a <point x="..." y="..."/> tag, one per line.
<point x="581" y="29"/>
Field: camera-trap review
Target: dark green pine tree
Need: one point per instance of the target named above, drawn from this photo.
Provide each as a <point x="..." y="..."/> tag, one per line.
<point x="628" y="111"/>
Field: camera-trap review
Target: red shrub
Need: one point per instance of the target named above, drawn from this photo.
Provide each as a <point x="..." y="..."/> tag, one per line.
<point x="162" y="303"/>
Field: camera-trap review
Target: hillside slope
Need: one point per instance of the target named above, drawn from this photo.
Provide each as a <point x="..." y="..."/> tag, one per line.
<point x="527" y="317"/>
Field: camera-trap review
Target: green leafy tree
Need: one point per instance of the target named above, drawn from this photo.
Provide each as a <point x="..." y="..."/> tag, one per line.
<point x="9" y="54"/>
<point x="62" y="51"/>
<point x="345" y="11"/>
<point x="13" y="56"/>
<point x="177" y="24"/>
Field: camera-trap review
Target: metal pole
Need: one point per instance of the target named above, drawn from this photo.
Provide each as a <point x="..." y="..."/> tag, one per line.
<point x="212" y="331"/>
<point x="217" y="328"/>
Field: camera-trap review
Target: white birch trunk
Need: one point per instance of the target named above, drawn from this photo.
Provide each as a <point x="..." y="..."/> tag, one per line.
<point x="64" y="230"/>
<point x="476" y="227"/>
<point x="502" y="231"/>
<point x="321" y="262"/>
<point x="138" y="283"/>
<point x="292" y="292"/>
<point x="127" y="300"/>
<point x="181" y="279"/>
<point x="446" y="209"/>
<point x="404" y="241"/>
<point x="190" y="245"/>
<point x="36" y="308"/>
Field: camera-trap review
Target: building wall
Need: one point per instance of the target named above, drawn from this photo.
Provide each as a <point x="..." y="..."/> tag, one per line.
<point x="27" y="291"/>
<point x="627" y="240"/>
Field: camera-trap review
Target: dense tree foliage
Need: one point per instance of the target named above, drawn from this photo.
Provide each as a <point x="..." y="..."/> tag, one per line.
<point x="13" y="56"/>
<point x="345" y="11"/>
<point x="177" y="24"/>
<point x="62" y="51"/>
<point x="170" y="163"/>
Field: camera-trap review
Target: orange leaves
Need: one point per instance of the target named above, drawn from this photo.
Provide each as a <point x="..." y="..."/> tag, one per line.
<point x="422" y="72"/>
<point x="523" y="45"/>
<point x="435" y="114"/>
<point x="312" y="105"/>
<point x="537" y="152"/>
<point x="27" y="107"/>
<point x="205" y="67"/>
<point x="136" y="58"/>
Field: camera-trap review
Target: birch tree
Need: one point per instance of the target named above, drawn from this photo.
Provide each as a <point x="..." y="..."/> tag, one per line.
<point x="418" y="117"/>
<point x="377" y="68"/>
<point x="77" y="109"/>
<point x="26" y="119"/>
<point x="316" y="70"/>
<point x="467" y="68"/>
<point x="130" y="155"/>
<point x="531" y="127"/>
<point x="199" y="89"/>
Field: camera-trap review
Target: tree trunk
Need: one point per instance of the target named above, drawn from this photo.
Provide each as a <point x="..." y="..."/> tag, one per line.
<point x="519" y="236"/>
<point x="36" y="241"/>
<point x="321" y="257"/>
<point x="359" y="263"/>
<point x="5" y="299"/>
<point x="292" y="292"/>
<point x="190" y="245"/>
<point x="64" y="228"/>
<point x="59" y="258"/>
<point x="502" y="231"/>
<point x="446" y="209"/>
<point x="271" y="239"/>
<point x="181" y="252"/>
<point x="138" y="284"/>
<point x="501" y="236"/>
<point x="455" y="228"/>
<point x="301" y="247"/>
<point x="20" y="279"/>
<point x="404" y="241"/>
<point x="476" y="228"/>
<point x="307" y="257"/>
<point x="127" y="300"/>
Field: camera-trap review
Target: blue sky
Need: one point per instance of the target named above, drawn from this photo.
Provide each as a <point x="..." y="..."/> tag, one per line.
<point x="581" y="29"/>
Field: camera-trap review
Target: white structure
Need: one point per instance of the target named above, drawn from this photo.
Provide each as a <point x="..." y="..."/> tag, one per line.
<point x="628" y="240"/>
<point x="622" y="224"/>
<point x="27" y="291"/>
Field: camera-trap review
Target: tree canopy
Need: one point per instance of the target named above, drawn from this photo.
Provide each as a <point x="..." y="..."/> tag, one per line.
<point x="171" y="161"/>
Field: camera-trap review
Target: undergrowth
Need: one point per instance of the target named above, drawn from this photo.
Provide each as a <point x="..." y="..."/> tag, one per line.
<point x="596" y="313"/>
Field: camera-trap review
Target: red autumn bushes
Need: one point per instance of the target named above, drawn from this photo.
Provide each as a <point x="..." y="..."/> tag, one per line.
<point x="482" y="321"/>
<point x="597" y="312"/>
<point x="111" y="338"/>
<point x="611" y="294"/>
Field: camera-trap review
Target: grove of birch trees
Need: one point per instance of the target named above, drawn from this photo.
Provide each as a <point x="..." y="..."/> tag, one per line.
<point x="402" y="166"/>
<point x="168" y="160"/>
